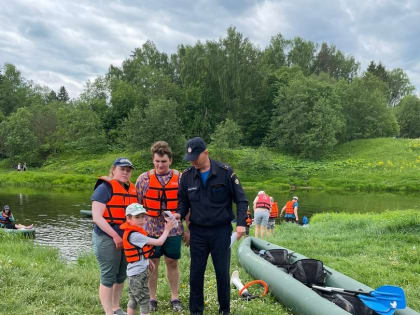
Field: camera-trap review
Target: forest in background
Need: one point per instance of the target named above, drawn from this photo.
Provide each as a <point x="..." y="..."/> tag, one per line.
<point x="294" y="96"/>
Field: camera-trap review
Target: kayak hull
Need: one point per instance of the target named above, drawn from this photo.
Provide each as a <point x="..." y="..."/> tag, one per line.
<point x="293" y="294"/>
<point x="25" y="232"/>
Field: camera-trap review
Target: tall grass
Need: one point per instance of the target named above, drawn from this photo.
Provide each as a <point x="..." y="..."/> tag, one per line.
<point x="375" y="249"/>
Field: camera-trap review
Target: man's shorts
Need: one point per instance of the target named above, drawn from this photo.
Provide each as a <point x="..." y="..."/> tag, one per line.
<point x="138" y="291"/>
<point x="171" y="248"/>
<point x="261" y="217"/>
<point x="271" y="223"/>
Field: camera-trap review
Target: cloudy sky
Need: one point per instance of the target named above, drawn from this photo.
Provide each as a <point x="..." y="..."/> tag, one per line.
<point x="55" y="43"/>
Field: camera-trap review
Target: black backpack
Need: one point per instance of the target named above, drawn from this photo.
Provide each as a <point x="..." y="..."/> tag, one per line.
<point x="278" y="257"/>
<point x="308" y="271"/>
<point x="348" y="302"/>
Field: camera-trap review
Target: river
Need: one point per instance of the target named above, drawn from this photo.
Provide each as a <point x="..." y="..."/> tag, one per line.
<point x="58" y="223"/>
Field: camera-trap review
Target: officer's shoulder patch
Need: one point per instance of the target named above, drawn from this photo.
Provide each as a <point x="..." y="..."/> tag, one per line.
<point x="187" y="170"/>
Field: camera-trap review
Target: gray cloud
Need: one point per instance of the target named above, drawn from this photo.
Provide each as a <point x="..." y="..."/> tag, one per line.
<point x="66" y="43"/>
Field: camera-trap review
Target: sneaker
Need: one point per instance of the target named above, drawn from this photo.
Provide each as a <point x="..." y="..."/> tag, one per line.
<point x="176" y="305"/>
<point x="153" y="305"/>
<point x="119" y="312"/>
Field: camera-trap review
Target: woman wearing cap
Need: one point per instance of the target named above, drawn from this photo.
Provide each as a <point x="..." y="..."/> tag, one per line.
<point x="111" y="197"/>
<point x="7" y="220"/>
<point x="291" y="207"/>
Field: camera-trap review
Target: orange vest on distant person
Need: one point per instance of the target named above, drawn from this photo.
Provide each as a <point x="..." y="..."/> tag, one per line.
<point x="121" y="198"/>
<point x="263" y="201"/>
<point x="274" y="210"/>
<point x="248" y="218"/>
<point x="289" y="207"/>
<point x="158" y="194"/>
<point x="132" y="252"/>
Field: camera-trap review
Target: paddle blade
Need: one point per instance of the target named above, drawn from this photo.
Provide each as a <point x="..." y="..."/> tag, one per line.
<point x="395" y="295"/>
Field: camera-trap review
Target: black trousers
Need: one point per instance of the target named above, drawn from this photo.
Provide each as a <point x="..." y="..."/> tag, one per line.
<point x="214" y="241"/>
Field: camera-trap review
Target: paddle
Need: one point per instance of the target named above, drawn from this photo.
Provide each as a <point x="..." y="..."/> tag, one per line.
<point x="384" y="300"/>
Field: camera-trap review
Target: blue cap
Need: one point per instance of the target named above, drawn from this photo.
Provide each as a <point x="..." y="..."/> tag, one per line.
<point x="123" y="162"/>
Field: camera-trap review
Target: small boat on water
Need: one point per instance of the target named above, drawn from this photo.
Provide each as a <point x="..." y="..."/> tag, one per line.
<point x="296" y="296"/>
<point x="25" y="232"/>
<point x="87" y="213"/>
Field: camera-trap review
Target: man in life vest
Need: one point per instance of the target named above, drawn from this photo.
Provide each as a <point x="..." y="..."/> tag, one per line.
<point x="274" y="213"/>
<point x="291" y="208"/>
<point x="157" y="191"/>
<point x="262" y="208"/>
<point x="138" y="247"/>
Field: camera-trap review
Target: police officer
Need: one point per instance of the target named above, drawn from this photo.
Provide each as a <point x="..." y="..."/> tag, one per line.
<point x="207" y="190"/>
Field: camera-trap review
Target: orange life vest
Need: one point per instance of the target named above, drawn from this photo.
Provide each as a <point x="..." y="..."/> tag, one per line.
<point x="263" y="201"/>
<point x="289" y="207"/>
<point x="274" y="210"/>
<point x="248" y="218"/>
<point x="121" y="198"/>
<point x="158" y="194"/>
<point x="132" y="252"/>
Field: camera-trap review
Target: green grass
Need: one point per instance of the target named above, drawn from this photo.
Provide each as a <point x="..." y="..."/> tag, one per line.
<point x="384" y="164"/>
<point x="375" y="249"/>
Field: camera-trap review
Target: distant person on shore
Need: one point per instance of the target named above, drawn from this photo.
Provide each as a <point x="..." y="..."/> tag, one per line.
<point x="24" y="166"/>
<point x="110" y="198"/>
<point x="291" y="207"/>
<point x="274" y="213"/>
<point x="7" y="220"/>
<point x="248" y="221"/>
<point x="157" y="191"/>
<point x="262" y="208"/>
<point x="138" y="248"/>
<point x="19" y="167"/>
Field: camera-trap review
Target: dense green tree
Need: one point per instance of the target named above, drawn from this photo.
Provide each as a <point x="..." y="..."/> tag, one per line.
<point x="227" y="135"/>
<point x="408" y="116"/>
<point x="307" y="117"/>
<point x="158" y="121"/>
<point x="62" y="95"/>
<point x="365" y="109"/>
<point x="302" y="54"/>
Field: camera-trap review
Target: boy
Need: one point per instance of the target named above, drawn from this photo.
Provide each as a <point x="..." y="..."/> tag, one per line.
<point x="137" y="249"/>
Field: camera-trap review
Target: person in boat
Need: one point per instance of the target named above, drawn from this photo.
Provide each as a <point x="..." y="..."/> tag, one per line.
<point x="110" y="198"/>
<point x="262" y="208"/>
<point x="206" y="191"/>
<point x="138" y="248"/>
<point x="274" y="213"/>
<point x="291" y="210"/>
<point x="7" y="220"/>
<point x="157" y="191"/>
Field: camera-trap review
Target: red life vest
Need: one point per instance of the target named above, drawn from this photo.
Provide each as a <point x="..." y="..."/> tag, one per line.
<point x="274" y="210"/>
<point x="132" y="252"/>
<point x="289" y="207"/>
<point x="5" y="219"/>
<point x="121" y="198"/>
<point x="158" y="194"/>
<point x="263" y="201"/>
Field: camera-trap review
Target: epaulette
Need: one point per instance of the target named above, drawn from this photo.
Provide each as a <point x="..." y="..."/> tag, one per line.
<point x="187" y="170"/>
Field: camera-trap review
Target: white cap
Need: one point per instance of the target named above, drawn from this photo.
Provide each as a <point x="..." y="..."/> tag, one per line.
<point x="134" y="209"/>
<point x="261" y="192"/>
<point x="295" y="198"/>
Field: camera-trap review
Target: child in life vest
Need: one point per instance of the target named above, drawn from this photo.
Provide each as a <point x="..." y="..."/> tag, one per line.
<point x="248" y="221"/>
<point x="7" y="220"/>
<point x="138" y="247"/>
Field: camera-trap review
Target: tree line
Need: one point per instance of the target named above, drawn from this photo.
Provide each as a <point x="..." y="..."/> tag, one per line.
<point x="294" y="96"/>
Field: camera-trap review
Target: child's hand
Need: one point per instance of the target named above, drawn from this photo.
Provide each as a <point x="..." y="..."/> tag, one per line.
<point x="169" y="225"/>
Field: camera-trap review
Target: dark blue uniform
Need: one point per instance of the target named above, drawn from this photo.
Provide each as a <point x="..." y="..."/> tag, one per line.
<point x="210" y="227"/>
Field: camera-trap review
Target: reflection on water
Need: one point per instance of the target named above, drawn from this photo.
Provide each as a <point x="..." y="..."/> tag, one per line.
<point x="58" y="223"/>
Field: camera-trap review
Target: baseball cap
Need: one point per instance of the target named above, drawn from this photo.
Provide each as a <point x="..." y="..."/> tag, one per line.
<point x="195" y="146"/>
<point x="6" y="207"/>
<point x="134" y="209"/>
<point x="295" y="198"/>
<point x="121" y="161"/>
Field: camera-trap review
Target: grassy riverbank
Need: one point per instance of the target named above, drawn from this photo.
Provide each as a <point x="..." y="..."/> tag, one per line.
<point x="375" y="249"/>
<point x="384" y="164"/>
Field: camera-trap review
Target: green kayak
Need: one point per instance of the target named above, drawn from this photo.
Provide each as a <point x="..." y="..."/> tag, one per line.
<point x="87" y="213"/>
<point x="25" y="232"/>
<point x="297" y="297"/>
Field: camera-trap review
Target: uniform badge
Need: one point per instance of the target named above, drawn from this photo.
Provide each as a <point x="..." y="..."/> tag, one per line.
<point x="189" y="150"/>
<point x="237" y="181"/>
